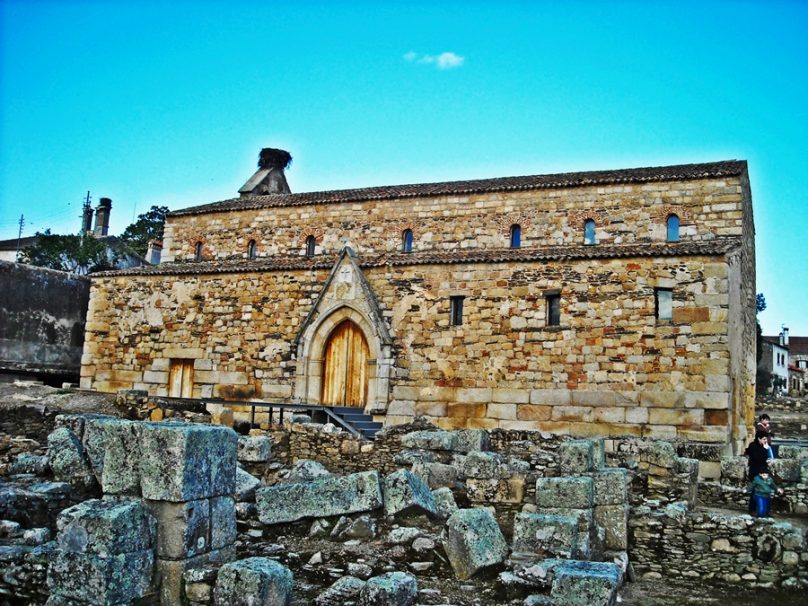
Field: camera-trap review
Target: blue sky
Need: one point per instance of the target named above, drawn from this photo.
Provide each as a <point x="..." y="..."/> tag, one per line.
<point x="169" y="103"/>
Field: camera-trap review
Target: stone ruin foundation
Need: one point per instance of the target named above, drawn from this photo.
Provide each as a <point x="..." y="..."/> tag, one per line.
<point x="184" y="513"/>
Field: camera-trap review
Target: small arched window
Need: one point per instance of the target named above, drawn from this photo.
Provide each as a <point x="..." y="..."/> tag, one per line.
<point x="673" y="228"/>
<point x="406" y="240"/>
<point x="251" y="250"/>
<point x="198" y="251"/>
<point x="310" y="243"/>
<point x="589" y="231"/>
<point x="516" y="235"/>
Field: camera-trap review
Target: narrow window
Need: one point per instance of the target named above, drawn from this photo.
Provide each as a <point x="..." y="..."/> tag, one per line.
<point x="516" y="236"/>
<point x="553" y="310"/>
<point x="664" y="303"/>
<point x="310" y="242"/>
<point x="198" y="251"/>
<point x="251" y="250"/>
<point x="589" y="231"/>
<point x="406" y="241"/>
<point x="673" y="228"/>
<point x="456" y="310"/>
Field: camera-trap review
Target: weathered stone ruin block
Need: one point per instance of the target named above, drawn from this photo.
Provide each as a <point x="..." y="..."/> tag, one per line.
<point x="254" y="449"/>
<point x="114" y="449"/>
<point x="105" y="552"/>
<point x="169" y="573"/>
<point x="577" y="583"/>
<point x="306" y="470"/>
<point x="574" y="493"/>
<point x="510" y="490"/>
<point x="404" y="492"/>
<point x="246" y="485"/>
<point x="545" y="535"/>
<point x="445" y="502"/>
<point x="184" y="528"/>
<point x="436" y="475"/>
<point x="598" y="453"/>
<point x="222" y="522"/>
<point x="185" y="462"/>
<point x="431" y="440"/>
<point x="613" y="519"/>
<point x="344" y="589"/>
<point x="804" y="471"/>
<point x="27" y="462"/>
<point x="473" y="541"/>
<point x="575" y="456"/>
<point x="733" y="469"/>
<point x="330" y="496"/>
<point x="67" y="459"/>
<point x="586" y="528"/>
<point x="786" y="470"/>
<point x="610" y="486"/>
<point x="252" y="582"/>
<point x="469" y="440"/>
<point x="390" y="589"/>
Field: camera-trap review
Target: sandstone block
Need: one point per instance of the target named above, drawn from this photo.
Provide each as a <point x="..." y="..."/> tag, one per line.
<point x="551" y="397"/>
<point x="707" y="400"/>
<point x="185" y="462"/>
<point x="530" y="412"/>
<point x="669" y="416"/>
<point x="336" y="495"/>
<point x="253" y="581"/>
<point x="569" y="492"/>
<point x="473" y="395"/>
<point x="502" y="411"/>
<point x="404" y="492"/>
<point x="510" y="396"/>
<point x="592" y="398"/>
<point x="473" y="542"/>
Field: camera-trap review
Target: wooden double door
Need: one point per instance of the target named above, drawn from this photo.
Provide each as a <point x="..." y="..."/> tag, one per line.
<point x="345" y="367"/>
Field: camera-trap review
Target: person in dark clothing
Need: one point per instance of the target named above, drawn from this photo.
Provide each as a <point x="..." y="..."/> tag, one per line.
<point x="758" y="454"/>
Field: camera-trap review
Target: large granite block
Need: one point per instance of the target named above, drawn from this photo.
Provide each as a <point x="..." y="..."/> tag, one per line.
<point x="473" y="542"/>
<point x="106" y="527"/>
<point x="404" y="492"/>
<point x="575" y="456"/>
<point x="576" y="493"/>
<point x="610" y="486"/>
<point x="94" y="579"/>
<point x="436" y="475"/>
<point x="183" y="529"/>
<point x="253" y="581"/>
<point x="390" y="589"/>
<point x="545" y="535"/>
<point x="68" y="460"/>
<point x="186" y="462"/>
<point x="254" y="449"/>
<point x="329" y="496"/>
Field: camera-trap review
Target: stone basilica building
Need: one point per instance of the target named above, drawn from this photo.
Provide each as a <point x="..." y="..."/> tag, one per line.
<point x="612" y="303"/>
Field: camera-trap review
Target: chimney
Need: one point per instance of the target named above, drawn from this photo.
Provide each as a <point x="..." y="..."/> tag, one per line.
<point x="102" y="213"/>
<point x="269" y="178"/>
<point x="784" y="337"/>
<point x="87" y="220"/>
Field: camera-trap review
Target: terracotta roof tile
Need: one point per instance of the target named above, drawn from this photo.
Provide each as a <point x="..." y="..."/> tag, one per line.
<point x="719" y="246"/>
<point x="681" y="172"/>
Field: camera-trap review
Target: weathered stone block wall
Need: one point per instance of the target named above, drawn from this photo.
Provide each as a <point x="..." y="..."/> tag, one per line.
<point x="624" y="214"/>
<point x="610" y="368"/>
<point x="675" y="543"/>
<point x="41" y="319"/>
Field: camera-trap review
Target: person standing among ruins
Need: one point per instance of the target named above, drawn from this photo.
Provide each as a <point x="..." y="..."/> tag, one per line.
<point x="758" y="454"/>
<point x="761" y="490"/>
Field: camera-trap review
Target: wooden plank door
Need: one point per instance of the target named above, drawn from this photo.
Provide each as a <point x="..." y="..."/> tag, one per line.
<point x="181" y="379"/>
<point x="345" y="367"/>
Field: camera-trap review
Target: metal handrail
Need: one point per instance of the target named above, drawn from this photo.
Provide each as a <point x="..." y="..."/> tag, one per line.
<point x="333" y="417"/>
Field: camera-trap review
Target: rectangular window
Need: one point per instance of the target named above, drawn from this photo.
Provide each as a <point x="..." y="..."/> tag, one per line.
<point x="553" y="310"/>
<point x="664" y="303"/>
<point x="181" y="379"/>
<point x="456" y="310"/>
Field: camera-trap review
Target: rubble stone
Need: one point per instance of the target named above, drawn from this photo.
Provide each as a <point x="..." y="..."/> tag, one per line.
<point x="391" y="589"/>
<point x="575" y="456"/>
<point x="571" y="492"/>
<point x="253" y="582"/>
<point x="404" y="492"/>
<point x="545" y="535"/>
<point x="473" y="541"/>
<point x="254" y="449"/>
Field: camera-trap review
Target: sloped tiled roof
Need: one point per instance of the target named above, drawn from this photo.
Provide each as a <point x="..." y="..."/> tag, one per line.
<point x="682" y="172"/>
<point x="715" y="247"/>
<point x="798" y="345"/>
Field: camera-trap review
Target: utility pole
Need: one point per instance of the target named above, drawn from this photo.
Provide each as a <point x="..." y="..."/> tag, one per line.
<point x="19" y="237"/>
<point x="86" y="216"/>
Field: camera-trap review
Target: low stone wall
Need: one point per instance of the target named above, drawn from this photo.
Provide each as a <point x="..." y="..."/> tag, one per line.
<point x="733" y="549"/>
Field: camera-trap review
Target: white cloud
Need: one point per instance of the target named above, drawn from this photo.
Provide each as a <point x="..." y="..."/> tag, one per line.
<point x="447" y="60"/>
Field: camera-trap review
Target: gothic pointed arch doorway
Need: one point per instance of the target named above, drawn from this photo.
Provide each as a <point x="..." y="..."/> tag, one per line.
<point x="345" y="366"/>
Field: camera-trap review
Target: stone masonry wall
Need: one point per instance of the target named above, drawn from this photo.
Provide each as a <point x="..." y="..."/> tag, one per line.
<point x="623" y="214"/>
<point x="609" y="368"/>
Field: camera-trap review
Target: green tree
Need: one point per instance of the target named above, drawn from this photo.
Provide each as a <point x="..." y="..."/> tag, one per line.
<point x="148" y="226"/>
<point x="80" y="255"/>
<point x="760" y="305"/>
